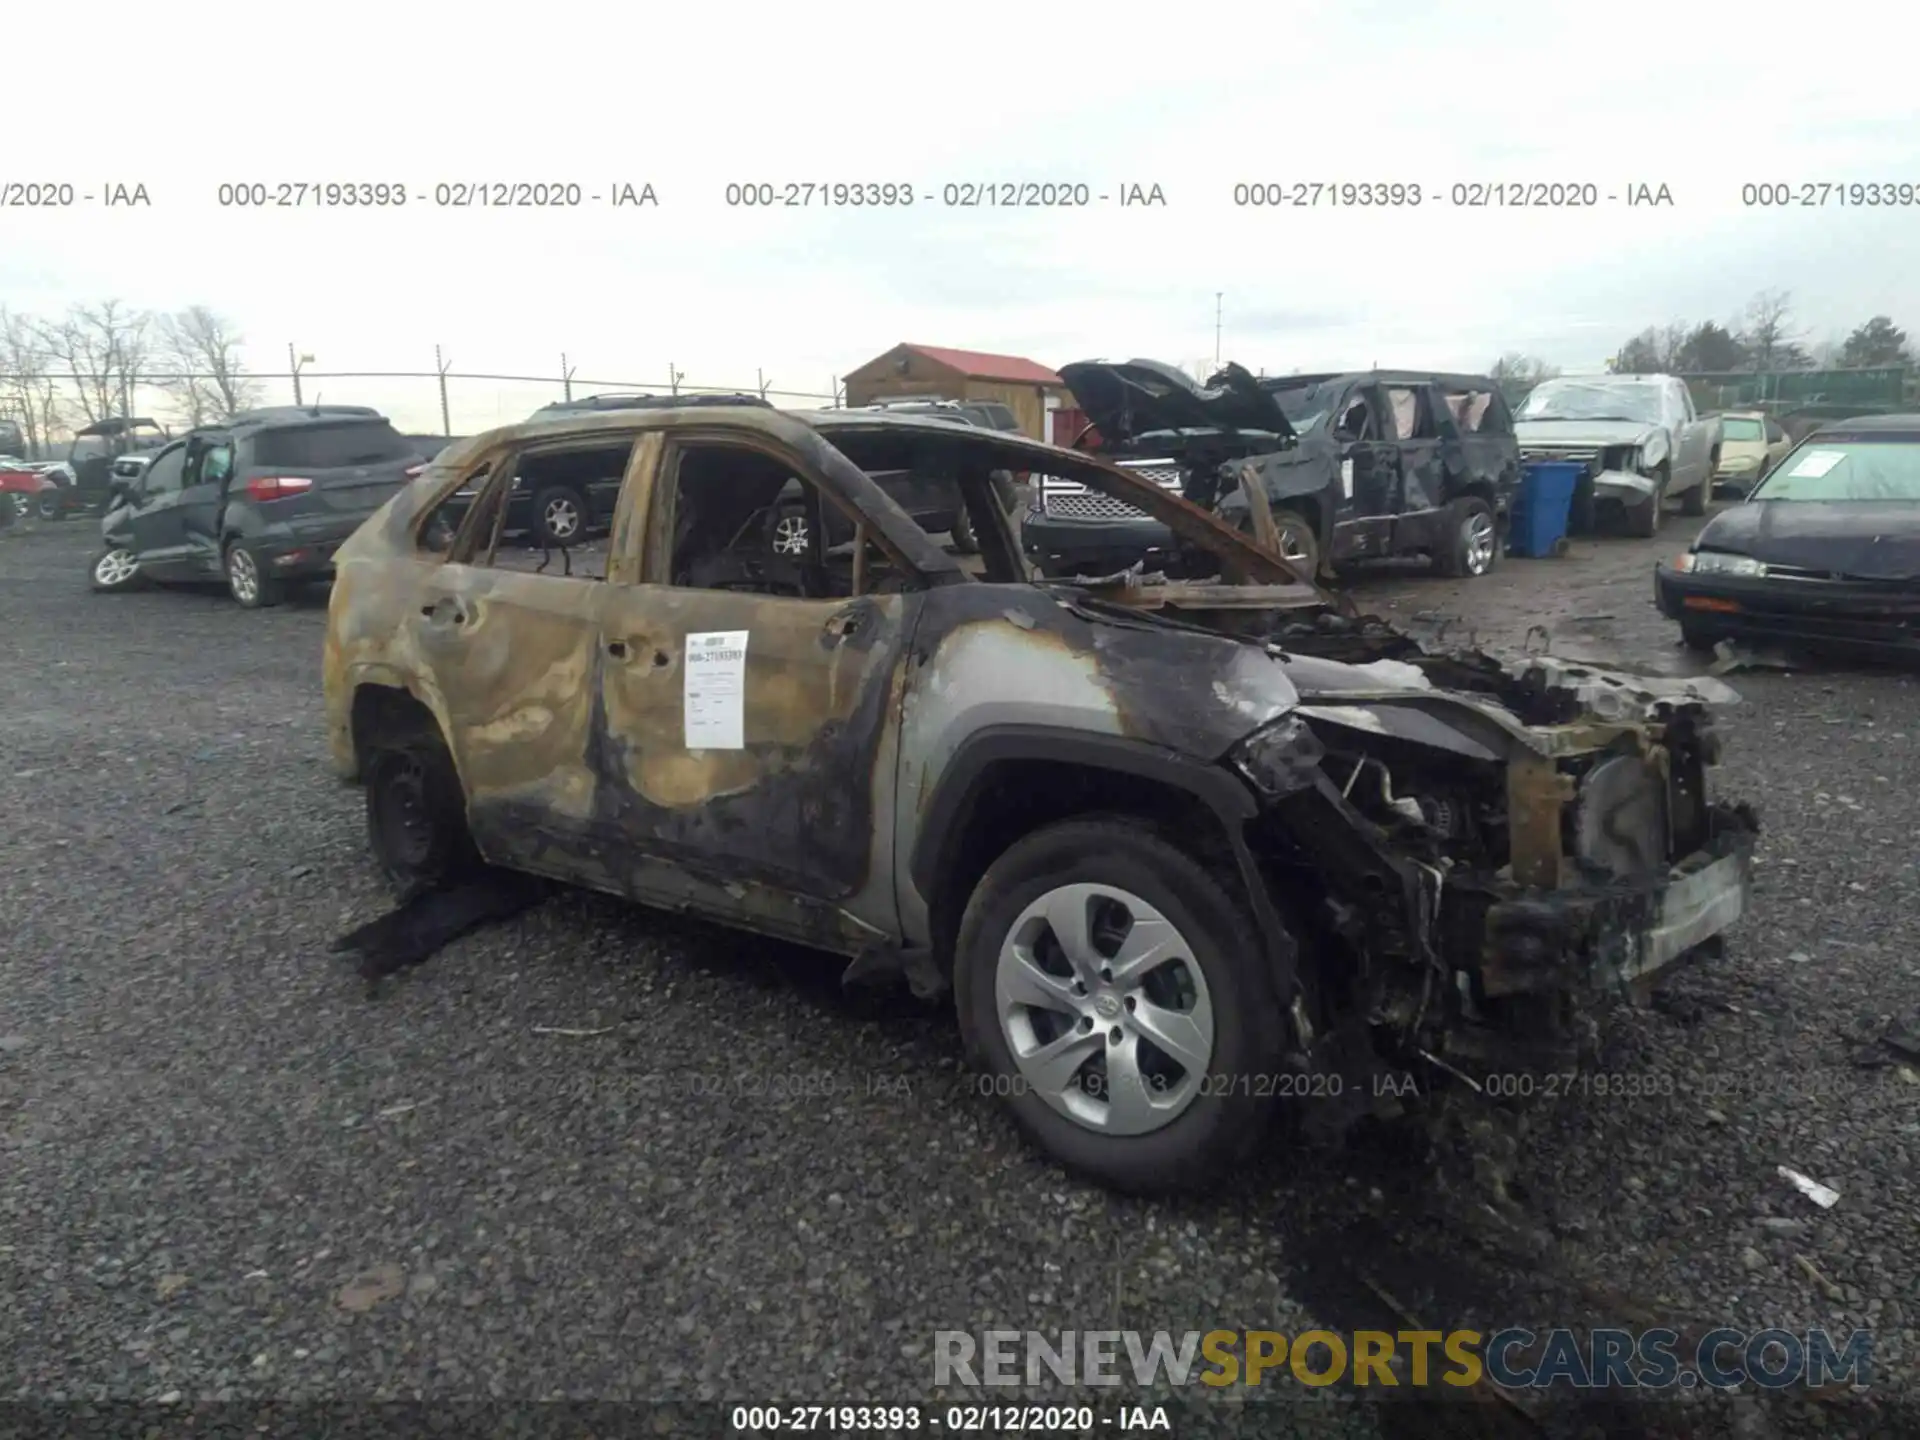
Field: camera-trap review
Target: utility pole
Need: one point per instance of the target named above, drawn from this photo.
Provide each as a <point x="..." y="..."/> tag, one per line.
<point x="293" y="366"/>
<point x="1216" y="328"/>
<point x="566" y="375"/>
<point x="446" y="425"/>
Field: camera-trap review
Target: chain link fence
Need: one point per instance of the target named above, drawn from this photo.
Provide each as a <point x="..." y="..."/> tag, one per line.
<point x="441" y="401"/>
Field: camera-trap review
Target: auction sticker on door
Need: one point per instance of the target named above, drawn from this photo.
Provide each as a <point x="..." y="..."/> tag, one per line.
<point x="716" y="690"/>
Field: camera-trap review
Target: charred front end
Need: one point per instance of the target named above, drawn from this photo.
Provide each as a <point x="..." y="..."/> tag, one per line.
<point x="1474" y="866"/>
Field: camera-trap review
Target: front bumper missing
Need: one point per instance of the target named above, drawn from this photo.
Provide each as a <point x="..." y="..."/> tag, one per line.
<point x="1612" y="936"/>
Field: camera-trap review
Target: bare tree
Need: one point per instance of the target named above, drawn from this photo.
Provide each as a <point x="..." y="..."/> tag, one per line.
<point x="1768" y="336"/>
<point x="201" y="351"/>
<point x="1517" y="368"/>
<point x="27" y="389"/>
<point x="102" y="349"/>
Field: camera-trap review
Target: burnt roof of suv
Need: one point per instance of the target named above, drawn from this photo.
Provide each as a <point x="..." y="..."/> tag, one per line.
<point x="594" y="404"/>
<point x="1006" y="449"/>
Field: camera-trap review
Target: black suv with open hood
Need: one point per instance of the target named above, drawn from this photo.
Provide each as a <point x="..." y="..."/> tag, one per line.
<point x="1355" y="466"/>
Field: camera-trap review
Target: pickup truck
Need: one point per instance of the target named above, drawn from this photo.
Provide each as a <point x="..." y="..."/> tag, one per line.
<point x="1639" y="434"/>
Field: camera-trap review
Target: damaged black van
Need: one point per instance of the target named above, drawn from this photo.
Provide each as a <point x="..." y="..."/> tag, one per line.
<point x="1358" y="466"/>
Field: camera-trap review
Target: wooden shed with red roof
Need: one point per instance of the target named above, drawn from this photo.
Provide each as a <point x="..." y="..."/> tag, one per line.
<point x="1028" y="388"/>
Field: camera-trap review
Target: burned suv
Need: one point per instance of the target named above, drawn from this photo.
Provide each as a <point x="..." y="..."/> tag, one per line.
<point x="1160" y="840"/>
<point x="1355" y="467"/>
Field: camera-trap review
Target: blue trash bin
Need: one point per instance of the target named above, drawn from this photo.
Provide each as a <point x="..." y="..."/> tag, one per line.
<point x="1542" y="507"/>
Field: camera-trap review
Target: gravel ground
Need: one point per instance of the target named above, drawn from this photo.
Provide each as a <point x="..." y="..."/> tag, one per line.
<point x="226" y="1172"/>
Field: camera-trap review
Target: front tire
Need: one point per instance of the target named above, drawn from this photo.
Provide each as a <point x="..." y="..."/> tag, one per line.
<point x="116" y="569"/>
<point x="1112" y="991"/>
<point x="1473" y="544"/>
<point x="417" y="816"/>
<point x="247" y="578"/>
<point x="1646" y="522"/>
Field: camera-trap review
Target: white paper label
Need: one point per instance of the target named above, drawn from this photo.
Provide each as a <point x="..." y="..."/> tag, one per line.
<point x="1346" y="477"/>
<point x="716" y="669"/>
<point x="1816" y="463"/>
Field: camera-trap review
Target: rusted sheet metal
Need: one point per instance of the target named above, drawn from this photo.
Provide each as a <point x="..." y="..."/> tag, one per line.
<point x="1537" y="794"/>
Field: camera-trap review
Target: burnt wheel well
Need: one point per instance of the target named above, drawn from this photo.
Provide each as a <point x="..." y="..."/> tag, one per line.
<point x="1012" y="798"/>
<point x="385" y="715"/>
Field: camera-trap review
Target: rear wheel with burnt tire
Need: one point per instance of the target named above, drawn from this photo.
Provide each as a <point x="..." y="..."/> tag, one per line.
<point x="417" y="815"/>
<point x="1112" y="993"/>
<point x="1471" y="544"/>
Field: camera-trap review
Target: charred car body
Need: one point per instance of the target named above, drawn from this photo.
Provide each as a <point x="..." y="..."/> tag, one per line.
<point x="1158" y="838"/>
<point x="1355" y="467"/>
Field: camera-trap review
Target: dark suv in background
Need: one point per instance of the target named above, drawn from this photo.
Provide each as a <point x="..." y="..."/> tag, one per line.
<point x="87" y="477"/>
<point x="1355" y="467"/>
<point x="261" y="501"/>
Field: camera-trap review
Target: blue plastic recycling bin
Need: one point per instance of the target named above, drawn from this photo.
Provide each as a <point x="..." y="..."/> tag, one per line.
<point x="1541" y="507"/>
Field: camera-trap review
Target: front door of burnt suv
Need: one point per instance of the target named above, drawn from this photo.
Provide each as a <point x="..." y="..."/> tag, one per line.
<point x="747" y="738"/>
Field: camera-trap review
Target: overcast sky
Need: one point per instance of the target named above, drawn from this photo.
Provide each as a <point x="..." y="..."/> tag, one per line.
<point x="1697" y="97"/>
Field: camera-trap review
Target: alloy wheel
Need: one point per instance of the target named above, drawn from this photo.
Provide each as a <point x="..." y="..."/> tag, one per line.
<point x="790" y="535"/>
<point x="116" y="567"/>
<point x="562" y="518"/>
<point x="1104" y="1008"/>
<point x="1478" y="534"/>
<point x="242" y="578"/>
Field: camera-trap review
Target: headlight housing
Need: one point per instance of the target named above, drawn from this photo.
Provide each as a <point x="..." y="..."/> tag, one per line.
<point x="1714" y="562"/>
<point x="1280" y="757"/>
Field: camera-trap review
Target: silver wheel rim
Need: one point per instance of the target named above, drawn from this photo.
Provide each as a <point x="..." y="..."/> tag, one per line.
<point x="241" y="575"/>
<point x="22" y="505"/>
<point x="1478" y="534"/>
<point x="116" y="567"/>
<point x="1104" y="1008"/>
<point x="562" y="519"/>
<point x="49" y="507"/>
<point x="790" y="535"/>
<point x="1292" y="548"/>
